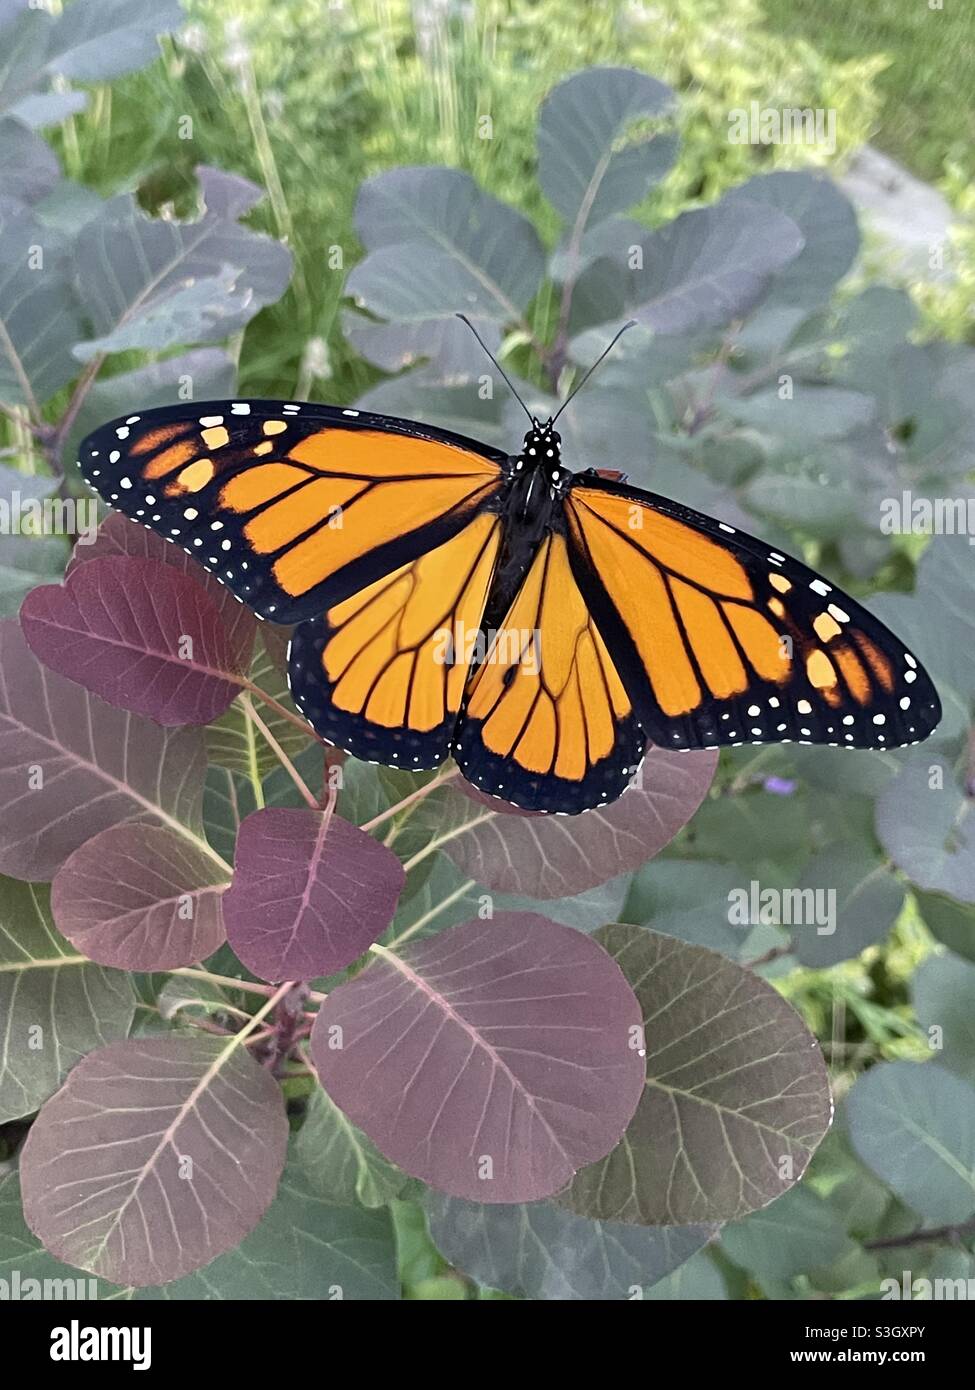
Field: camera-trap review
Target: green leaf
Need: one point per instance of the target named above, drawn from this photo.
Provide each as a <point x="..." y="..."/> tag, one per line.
<point x="952" y="923"/>
<point x="96" y="40"/>
<point x="39" y="314"/>
<point x="736" y="1096"/>
<point x="201" y="374"/>
<point x="811" y="412"/>
<point x="698" y="1280"/>
<point x="704" y="269"/>
<point x="600" y="149"/>
<point x="55" y="1005"/>
<point x="914" y="1125"/>
<point x="339" y="1162"/>
<point x="192" y="312"/>
<point x="855" y="899"/>
<point x="539" y="1251"/>
<point x="794" y="1235"/>
<point x="938" y="620"/>
<point x="438" y="244"/>
<point x="687" y="899"/>
<point x="828" y="223"/>
<point x="28" y="168"/>
<point x="305" y="1248"/>
<point x="23" y="1258"/>
<point x="235" y="742"/>
<point x="227" y="798"/>
<point x="926" y="824"/>
<point x="132" y="266"/>
<point x="943" y="990"/>
<point x="26" y="558"/>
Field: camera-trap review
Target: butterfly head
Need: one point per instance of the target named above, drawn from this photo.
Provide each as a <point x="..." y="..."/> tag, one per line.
<point x="542" y="452"/>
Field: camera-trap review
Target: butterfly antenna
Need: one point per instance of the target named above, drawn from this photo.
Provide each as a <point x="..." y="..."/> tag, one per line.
<point x="465" y="319"/>
<point x="631" y="323"/>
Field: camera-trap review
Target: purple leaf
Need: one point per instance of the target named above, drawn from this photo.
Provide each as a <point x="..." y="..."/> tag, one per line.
<point x="492" y="1061"/>
<point x="156" y="1156"/>
<point x="557" y="857"/>
<point x="118" y="535"/>
<point x="141" y="635"/>
<point x="310" y="893"/>
<point x="70" y="766"/>
<point x="140" y="897"/>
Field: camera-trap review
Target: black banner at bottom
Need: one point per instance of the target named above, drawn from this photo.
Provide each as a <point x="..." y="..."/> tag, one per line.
<point x="173" y="1338"/>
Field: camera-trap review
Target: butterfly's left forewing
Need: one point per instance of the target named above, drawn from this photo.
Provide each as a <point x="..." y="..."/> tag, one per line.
<point x="721" y="639"/>
<point x="292" y="507"/>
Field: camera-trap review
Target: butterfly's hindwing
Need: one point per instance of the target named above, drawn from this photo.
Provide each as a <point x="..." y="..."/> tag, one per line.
<point x="547" y="724"/>
<point x="383" y="673"/>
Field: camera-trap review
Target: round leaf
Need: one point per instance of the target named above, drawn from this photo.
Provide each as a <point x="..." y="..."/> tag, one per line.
<point x="865" y="903"/>
<point x="943" y="990"/>
<point x="925" y="823"/>
<point x="55" y="1005"/>
<point x="140" y="897"/>
<point x="542" y="1252"/>
<point x="952" y="923"/>
<point x="310" y="893"/>
<point x="914" y="1125"/>
<point x="340" y="1163"/>
<point x="71" y="765"/>
<point x="596" y="156"/>
<point x="437" y="244"/>
<point x="156" y="1156"/>
<point x="558" y="857"/>
<point x="491" y="1061"/>
<point x="736" y="1096"/>
<point x="141" y="636"/>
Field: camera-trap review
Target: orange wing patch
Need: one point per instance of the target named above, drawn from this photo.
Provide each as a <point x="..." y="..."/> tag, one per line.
<point x="720" y="639"/>
<point x="548" y="696"/>
<point x="684" y="600"/>
<point x="389" y="653"/>
<point x="279" y="505"/>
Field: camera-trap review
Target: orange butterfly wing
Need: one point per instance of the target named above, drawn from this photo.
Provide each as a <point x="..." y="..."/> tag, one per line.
<point x="547" y="723"/>
<point x="721" y="639"/>
<point x="293" y="507"/>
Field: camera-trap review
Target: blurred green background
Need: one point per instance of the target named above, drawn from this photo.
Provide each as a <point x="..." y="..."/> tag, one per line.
<point x="308" y="97"/>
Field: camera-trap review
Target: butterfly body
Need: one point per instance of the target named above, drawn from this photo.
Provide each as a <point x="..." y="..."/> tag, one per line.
<point x="539" y="625"/>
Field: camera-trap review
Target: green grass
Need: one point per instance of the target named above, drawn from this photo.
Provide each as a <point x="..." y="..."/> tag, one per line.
<point x="928" y="88"/>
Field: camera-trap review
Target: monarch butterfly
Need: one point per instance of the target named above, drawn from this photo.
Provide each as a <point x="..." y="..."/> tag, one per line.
<point x="539" y="625"/>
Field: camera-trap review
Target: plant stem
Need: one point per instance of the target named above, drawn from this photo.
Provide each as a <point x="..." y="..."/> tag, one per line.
<point x="231" y="982"/>
<point x="248" y="986"/>
<point x="414" y="796"/>
<point x="282" y="710"/>
<point x="276" y="996"/>
<point x="954" y="1234"/>
<point x="773" y="953"/>
<point x="279" y="752"/>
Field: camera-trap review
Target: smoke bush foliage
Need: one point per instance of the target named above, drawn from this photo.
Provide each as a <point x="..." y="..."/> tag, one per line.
<point x="554" y="1036"/>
